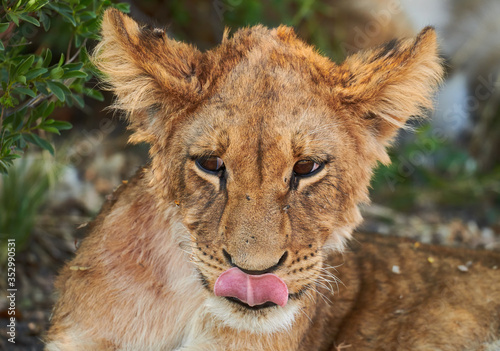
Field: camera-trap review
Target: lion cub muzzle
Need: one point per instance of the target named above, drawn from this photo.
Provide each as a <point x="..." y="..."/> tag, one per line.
<point x="252" y="288"/>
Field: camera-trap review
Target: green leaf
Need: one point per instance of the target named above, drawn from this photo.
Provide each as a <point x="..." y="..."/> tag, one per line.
<point x="35" y="139"/>
<point x="29" y="19"/>
<point x="79" y="100"/>
<point x="91" y="27"/>
<point x="34" y="115"/>
<point x="78" y="40"/>
<point x="45" y="21"/>
<point x="17" y="121"/>
<point x="35" y="5"/>
<point x="56" y="73"/>
<point x="61" y="125"/>
<point x="13" y="17"/>
<point x="60" y="7"/>
<point x="88" y="15"/>
<point x="8" y="119"/>
<point x="64" y="88"/>
<point x="74" y="74"/>
<point x="4" y="27"/>
<point x="105" y="4"/>
<point x="69" y="18"/>
<point x="25" y="91"/>
<point x="123" y="7"/>
<point x="7" y="144"/>
<point x="35" y="73"/>
<point x="94" y="94"/>
<point x="47" y="58"/>
<point x="58" y="92"/>
<point x="25" y="64"/>
<point x="21" y="143"/>
<point x="6" y="100"/>
<point x="73" y="66"/>
<point x="41" y="87"/>
<point x="86" y="3"/>
<point x="79" y="8"/>
<point x="39" y="62"/>
<point x="18" y="3"/>
<point x="21" y="79"/>
<point x="3" y="166"/>
<point x="69" y="102"/>
<point x="77" y="87"/>
<point x="14" y="156"/>
<point x="49" y="129"/>
<point x="48" y="109"/>
<point x="19" y="115"/>
<point x="12" y="72"/>
<point x="2" y="48"/>
<point x="61" y="61"/>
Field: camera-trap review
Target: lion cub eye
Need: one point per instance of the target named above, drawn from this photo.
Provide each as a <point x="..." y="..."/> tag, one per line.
<point x="210" y="164"/>
<point x="305" y="168"/>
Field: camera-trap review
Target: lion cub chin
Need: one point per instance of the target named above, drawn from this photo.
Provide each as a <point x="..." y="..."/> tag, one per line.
<point x="236" y="235"/>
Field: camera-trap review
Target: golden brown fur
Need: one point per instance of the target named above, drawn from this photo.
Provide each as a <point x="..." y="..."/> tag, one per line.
<point x="261" y="101"/>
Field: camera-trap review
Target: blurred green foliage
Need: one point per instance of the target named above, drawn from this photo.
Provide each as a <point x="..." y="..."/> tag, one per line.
<point x="431" y="170"/>
<point x="22" y="193"/>
<point x="302" y="14"/>
<point x="307" y="16"/>
<point x="33" y="82"/>
<point x="44" y="65"/>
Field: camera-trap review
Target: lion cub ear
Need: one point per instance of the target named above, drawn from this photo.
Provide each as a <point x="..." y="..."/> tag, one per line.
<point x="387" y="85"/>
<point x="152" y="76"/>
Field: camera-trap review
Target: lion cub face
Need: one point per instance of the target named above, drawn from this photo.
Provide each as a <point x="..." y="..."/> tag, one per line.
<point x="260" y="186"/>
<point x="266" y="146"/>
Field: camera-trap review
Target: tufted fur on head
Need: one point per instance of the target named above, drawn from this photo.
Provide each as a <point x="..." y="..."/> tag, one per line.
<point x="156" y="78"/>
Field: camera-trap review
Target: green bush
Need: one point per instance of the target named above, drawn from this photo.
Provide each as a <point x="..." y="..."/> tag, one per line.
<point x="33" y="82"/>
<point x="22" y="192"/>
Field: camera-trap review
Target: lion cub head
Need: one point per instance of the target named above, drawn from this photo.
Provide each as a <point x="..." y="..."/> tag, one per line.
<point x="266" y="146"/>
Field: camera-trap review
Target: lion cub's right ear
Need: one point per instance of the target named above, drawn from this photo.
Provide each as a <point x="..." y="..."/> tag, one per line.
<point x="153" y="76"/>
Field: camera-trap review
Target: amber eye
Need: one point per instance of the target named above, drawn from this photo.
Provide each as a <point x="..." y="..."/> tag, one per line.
<point x="305" y="168"/>
<point x="210" y="164"/>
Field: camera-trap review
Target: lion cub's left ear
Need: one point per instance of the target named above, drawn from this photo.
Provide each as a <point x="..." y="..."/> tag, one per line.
<point x="386" y="86"/>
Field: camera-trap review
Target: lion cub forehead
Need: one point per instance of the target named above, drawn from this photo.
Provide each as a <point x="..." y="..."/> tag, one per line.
<point x="299" y="127"/>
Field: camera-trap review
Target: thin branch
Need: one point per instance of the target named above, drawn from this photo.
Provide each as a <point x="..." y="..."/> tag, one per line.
<point x="68" y="51"/>
<point x="77" y="52"/>
<point x="30" y="103"/>
<point x="21" y="44"/>
<point x="7" y="35"/>
<point x="8" y="31"/>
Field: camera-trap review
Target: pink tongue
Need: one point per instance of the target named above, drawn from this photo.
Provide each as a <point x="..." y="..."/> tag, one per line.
<point x="251" y="289"/>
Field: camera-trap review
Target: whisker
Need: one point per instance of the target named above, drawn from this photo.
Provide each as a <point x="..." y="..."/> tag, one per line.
<point x="323" y="296"/>
<point x="309" y="296"/>
<point x="304" y="312"/>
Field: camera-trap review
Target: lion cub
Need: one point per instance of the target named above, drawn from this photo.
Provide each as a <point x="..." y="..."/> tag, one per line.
<point x="234" y="236"/>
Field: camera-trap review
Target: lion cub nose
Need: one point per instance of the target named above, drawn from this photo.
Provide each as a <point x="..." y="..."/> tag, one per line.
<point x="246" y="269"/>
